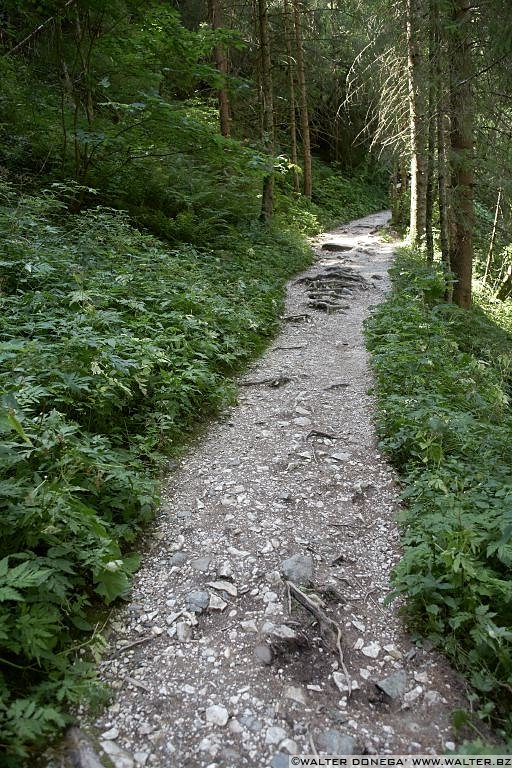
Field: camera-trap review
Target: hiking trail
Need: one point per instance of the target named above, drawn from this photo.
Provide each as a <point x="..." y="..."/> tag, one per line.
<point x="285" y="503"/>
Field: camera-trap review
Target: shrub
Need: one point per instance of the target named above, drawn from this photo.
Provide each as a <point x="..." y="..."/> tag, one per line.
<point x="445" y="420"/>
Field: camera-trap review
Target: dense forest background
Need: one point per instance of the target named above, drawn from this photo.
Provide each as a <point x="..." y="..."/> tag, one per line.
<point x="160" y="166"/>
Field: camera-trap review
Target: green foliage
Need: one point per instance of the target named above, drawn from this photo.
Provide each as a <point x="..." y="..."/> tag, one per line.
<point x="114" y="343"/>
<point x="336" y="197"/>
<point x="335" y="192"/>
<point x="111" y="346"/>
<point x="445" y="420"/>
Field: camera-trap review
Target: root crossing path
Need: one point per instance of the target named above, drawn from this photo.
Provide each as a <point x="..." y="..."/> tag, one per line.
<point x="257" y="627"/>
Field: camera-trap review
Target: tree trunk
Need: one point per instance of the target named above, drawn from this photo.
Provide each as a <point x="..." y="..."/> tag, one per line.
<point x="221" y="63"/>
<point x="417" y="123"/>
<point x="267" y="106"/>
<point x="461" y="102"/>
<point x="306" y="141"/>
<point x="493" y="236"/>
<point x="505" y="289"/>
<point x="291" y="85"/>
<point x="442" y="151"/>
<point x="432" y="123"/>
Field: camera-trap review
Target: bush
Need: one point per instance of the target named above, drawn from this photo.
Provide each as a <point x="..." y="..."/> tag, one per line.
<point x="111" y="345"/>
<point x="445" y="420"/>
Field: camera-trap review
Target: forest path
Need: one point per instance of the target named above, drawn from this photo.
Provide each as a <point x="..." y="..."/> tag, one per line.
<point x="208" y="666"/>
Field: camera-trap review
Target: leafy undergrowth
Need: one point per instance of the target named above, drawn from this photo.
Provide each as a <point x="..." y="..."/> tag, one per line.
<point x="113" y="345"/>
<point x="444" y="416"/>
<point x="335" y="198"/>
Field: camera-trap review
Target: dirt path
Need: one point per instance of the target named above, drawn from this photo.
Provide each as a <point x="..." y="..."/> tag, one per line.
<point x="224" y="675"/>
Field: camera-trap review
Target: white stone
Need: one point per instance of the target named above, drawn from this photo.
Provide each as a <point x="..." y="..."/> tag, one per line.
<point x="217" y="715"/>
<point x="288" y="745"/>
<point x="224" y="586"/>
<point x="249" y="626"/>
<point x="217" y="603"/>
<point x="118" y="757"/>
<point x="274" y="735"/>
<point x="183" y="631"/>
<point x="110" y="735"/>
<point x="234" y="726"/>
<point x="295" y="693"/>
<point x="371" y="650"/>
<point x="341" y="682"/>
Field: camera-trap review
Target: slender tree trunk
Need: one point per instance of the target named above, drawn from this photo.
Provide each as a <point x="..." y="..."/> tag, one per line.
<point x="306" y="141"/>
<point x="461" y="247"/>
<point x="505" y="289"/>
<point x="394" y="194"/>
<point x="291" y="85"/>
<point x="221" y="63"/>
<point x="267" y="104"/>
<point x="442" y="150"/>
<point x="493" y="236"/>
<point x="432" y="123"/>
<point x="417" y="123"/>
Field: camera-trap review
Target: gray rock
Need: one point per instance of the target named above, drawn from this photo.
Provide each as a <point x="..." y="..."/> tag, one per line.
<point x="298" y="568"/>
<point x="394" y="685"/>
<point x="225" y="570"/>
<point x="217" y="603"/>
<point x="80" y="749"/>
<point x="290" y="746"/>
<point x="217" y="715"/>
<point x="183" y="631"/>
<point x="179" y="558"/>
<point x="201" y="564"/>
<point x="302" y="421"/>
<point x="335" y="743"/>
<point x="341" y="456"/>
<point x="198" y="601"/>
<point x="280" y="760"/>
<point x="110" y="735"/>
<point x="231" y="757"/>
<point x="263" y="653"/>
<point x="118" y="756"/>
<point x="338" y="717"/>
<point x="274" y="735"/>
<point x="252" y="723"/>
<point x="295" y="693"/>
<point x="282" y="632"/>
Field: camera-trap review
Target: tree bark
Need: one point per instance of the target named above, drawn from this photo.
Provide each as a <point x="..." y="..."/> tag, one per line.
<point x="301" y="72"/>
<point x="443" y="170"/>
<point x="417" y="123"/>
<point x="461" y="102"/>
<point x="267" y="106"/>
<point x="221" y="63"/>
<point x="432" y="124"/>
<point x="291" y="86"/>
<point x="505" y="289"/>
<point x="493" y="236"/>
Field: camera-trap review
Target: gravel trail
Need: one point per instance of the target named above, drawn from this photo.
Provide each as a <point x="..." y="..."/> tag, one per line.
<point x="209" y="665"/>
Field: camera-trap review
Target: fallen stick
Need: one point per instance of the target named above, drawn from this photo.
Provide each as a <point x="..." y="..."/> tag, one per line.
<point x="127" y="646"/>
<point x="275" y="381"/>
